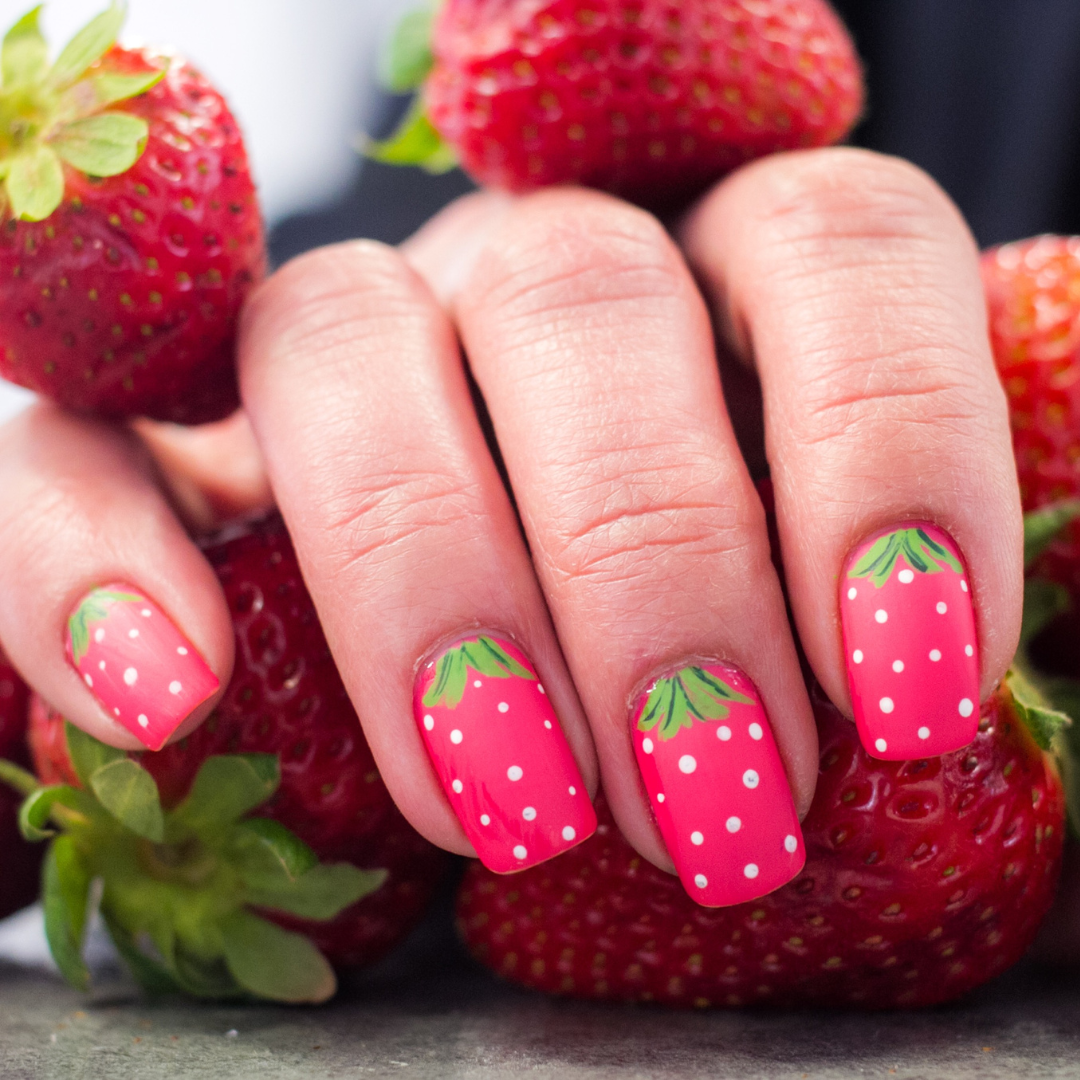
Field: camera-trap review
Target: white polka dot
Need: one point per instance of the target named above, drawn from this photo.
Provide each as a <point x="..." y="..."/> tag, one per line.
<point x="647" y="745"/>
<point x="429" y="722"/>
<point x="573" y="791"/>
<point x="723" y="733"/>
<point x="857" y="656"/>
<point x="477" y="683"/>
<point x="485" y="820"/>
<point x="790" y="843"/>
<point x="733" y="824"/>
<point x="969" y="650"/>
<point x="99" y="635"/>
<point x="116" y="712"/>
<point x="520" y="852"/>
<point x="515" y="772"/>
<point x="852" y="593"/>
<point x="906" y="576"/>
<point x="756" y="731"/>
<point x="146" y="613"/>
<point x="697" y="839"/>
<point x="456" y="736"/>
<point x="175" y="687"/>
<point x="966" y="707"/>
<point x="458" y="786"/>
<point x="131" y="676"/>
<point x="529" y="813"/>
<point x="88" y="680"/>
<point x="133" y="633"/>
<point x="886" y="705"/>
<point x="547" y="724"/>
<point x="569" y="832"/>
<point x="181" y="650"/>
<point x="143" y="721"/>
<point x="101" y="665"/>
<point x="660" y="797"/>
<point x="540" y="688"/>
<point x="935" y="655"/>
<point x="503" y="707"/>
<point x="898" y="666"/>
<point x="700" y="880"/>
<point x="963" y="585"/>
<point x="881" y="615"/>
<point x="881" y="746"/>
<point x="923" y="732"/>
<point x="751" y="870"/>
<point x="687" y="764"/>
<point x="942" y="607"/>
<point x="751" y="779"/>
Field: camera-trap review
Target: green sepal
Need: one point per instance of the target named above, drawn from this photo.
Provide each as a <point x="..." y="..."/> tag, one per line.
<point x="692" y="694"/>
<point x="226" y="788"/>
<point x="1064" y="694"/>
<point x="269" y="855"/>
<point x="103" y="145"/>
<point x="1042" y="527"/>
<point x="110" y="87"/>
<point x="88" y="45"/>
<point x="148" y="972"/>
<point x="1043" y="721"/>
<point x="37" y="808"/>
<point x="923" y="554"/>
<point x="1044" y="601"/>
<point x="275" y="963"/>
<point x="34" y="183"/>
<point x="65" y="896"/>
<point x="24" y="56"/>
<point x="17" y="778"/>
<point x="408" y="57"/>
<point x="484" y="656"/>
<point x="86" y="754"/>
<point x="416" y="142"/>
<point x="321" y="894"/>
<point x="94" y="607"/>
<point x="129" y="793"/>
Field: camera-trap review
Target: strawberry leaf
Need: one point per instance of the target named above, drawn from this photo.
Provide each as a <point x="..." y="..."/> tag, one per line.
<point x="103" y="145"/>
<point x="1044" y="601"/>
<point x="110" y="87"/>
<point x="321" y="894"/>
<point x="65" y="896"/>
<point x="225" y="788"/>
<point x="87" y="755"/>
<point x="692" y="694"/>
<point x="34" y="183"/>
<point x="268" y="855"/>
<point x="483" y="655"/>
<point x="150" y="973"/>
<point x="1042" y="721"/>
<point x="129" y="793"/>
<point x="36" y="810"/>
<point x="923" y="554"/>
<point x="275" y="963"/>
<point x="416" y="142"/>
<point x="88" y="45"/>
<point x="17" y="778"/>
<point x="1042" y="527"/>
<point x="24" y="56"/>
<point x="408" y="58"/>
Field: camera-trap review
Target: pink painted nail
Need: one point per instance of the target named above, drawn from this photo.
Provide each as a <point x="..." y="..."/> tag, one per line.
<point x="909" y="639"/>
<point x="717" y="786"/>
<point x="142" y="670"/>
<point x="501" y="755"/>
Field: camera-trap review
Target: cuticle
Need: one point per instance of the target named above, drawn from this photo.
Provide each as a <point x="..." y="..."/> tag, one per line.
<point x="471" y="630"/>
<point x="693" y="659"/>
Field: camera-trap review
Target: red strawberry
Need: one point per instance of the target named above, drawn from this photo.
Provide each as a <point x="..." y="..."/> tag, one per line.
<point x="131" y="232"/>
<point x="923" y="879"/>
<point x="285" y="706"/>
<point x="651" y="99"/>
<point x="18" y="860"/>
<point x="1033" y="293"/>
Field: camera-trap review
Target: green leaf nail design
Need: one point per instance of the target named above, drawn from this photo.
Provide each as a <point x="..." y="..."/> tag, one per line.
<point x="923" y="554"/>
<point x="484" y="656"/>
<point x="692" y="694"/>
<point x="94" y="608"/>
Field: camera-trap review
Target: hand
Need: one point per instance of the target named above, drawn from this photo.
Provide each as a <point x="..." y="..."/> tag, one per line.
<point x="847" y="280"/>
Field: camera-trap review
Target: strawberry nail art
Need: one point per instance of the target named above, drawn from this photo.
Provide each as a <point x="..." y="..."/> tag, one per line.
<point x="717" y="786"/>
<point x="142" y="670"/>
<point x="909" y="639"/>
<point x="501" y="755"/>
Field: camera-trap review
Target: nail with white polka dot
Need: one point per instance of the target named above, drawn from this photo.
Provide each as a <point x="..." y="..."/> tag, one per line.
<point x="143" y="671"/>
<point x="716" y="783"/>
<point x="500" y="754"/>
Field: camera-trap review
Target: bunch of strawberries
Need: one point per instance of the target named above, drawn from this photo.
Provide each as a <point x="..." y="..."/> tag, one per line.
<point x="263" y="850"/>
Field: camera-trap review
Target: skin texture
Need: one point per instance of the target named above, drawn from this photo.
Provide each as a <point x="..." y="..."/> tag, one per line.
<point x="635" y="542"/>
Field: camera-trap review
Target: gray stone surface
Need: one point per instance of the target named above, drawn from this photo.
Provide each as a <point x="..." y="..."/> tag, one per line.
<point x="428" y="1013"/>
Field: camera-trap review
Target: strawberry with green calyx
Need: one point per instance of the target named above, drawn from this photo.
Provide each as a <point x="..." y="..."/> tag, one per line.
<point x="181" y="888"/>
<point x="650" y="100"/>
<point x="130" y="229"/>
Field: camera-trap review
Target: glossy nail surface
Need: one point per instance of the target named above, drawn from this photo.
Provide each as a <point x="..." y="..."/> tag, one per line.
<point x="501" y="755"/>
<point x="717" y="785"/>
<point x="138" y="665"/>
<point x="909" y="640"/>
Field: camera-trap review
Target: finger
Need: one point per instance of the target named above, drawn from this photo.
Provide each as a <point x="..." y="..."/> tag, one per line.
<point x="594" y="353"/>
<point x="106" y="607"/>
<point x="412" y="552"/>
<point x="853" y="282"/>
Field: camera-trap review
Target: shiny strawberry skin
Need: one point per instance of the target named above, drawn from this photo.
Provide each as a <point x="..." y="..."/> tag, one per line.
<point x="1033" y="295"/>
<point x="651" y="99"/>
<point x="125" y="300"/>
<point x="287" y="698"/>
<point x="923" y="879"/>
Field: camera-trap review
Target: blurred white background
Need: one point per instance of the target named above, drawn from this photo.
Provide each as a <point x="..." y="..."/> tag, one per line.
<point x="296" y="72"/>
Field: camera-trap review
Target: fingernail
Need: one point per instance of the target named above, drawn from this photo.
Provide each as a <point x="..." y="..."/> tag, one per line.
<point x="717" y="785"/>
<point x="909" y="641"/>
<point x="138" y="665"/>
<point x="501" y="755"/>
